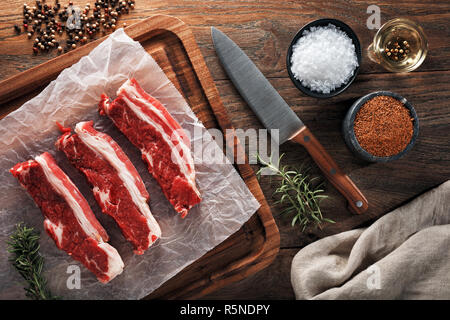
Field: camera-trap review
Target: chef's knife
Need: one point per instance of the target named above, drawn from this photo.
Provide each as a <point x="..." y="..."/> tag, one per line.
<point x="275" y="113"/>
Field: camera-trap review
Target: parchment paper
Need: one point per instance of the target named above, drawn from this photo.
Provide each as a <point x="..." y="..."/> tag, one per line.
<point x="73" y="97"/>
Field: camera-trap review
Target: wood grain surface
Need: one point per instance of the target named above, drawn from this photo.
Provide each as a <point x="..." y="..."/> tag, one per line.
<point x="171" y="43"/>
<point x="264" y="29"/>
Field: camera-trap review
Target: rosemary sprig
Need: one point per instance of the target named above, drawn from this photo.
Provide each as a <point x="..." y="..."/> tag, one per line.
<point x="26" y="259"/>
<point x="298" y="193"/>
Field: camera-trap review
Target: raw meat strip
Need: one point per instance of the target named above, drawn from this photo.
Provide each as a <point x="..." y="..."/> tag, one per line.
<point x="163" y="143"/>
<point x="117" y="186"/>
<point x="68" y="218"/>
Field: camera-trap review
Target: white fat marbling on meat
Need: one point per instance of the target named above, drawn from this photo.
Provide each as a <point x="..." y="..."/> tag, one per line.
<point x="148" y="157"/>
<point x="181" y="161"/>
<point x="21" y="169"/>
<point x="115" y="263"/>
<point x="103" y="195"/>
<point x="108" y="153"/>
<point x="62" y="190"/>
<point x="55" y="229"/>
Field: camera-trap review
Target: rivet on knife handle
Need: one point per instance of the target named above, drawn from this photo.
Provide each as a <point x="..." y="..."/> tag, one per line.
<point x="356" y="200"/>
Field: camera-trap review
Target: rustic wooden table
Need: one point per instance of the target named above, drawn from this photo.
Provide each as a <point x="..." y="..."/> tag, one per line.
<point x="264" y="30"/>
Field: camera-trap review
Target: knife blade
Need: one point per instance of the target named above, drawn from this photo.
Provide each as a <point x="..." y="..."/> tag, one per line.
<point x="258" y="93"/>
<point x="274" y="113"/>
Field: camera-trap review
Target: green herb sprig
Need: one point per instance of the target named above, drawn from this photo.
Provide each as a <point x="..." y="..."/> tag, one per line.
<point x="298" y="193"/>
<point x="26" y="259"/>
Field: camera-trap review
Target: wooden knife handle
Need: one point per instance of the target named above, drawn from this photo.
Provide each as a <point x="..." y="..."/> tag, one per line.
<point x="356" y="200"/>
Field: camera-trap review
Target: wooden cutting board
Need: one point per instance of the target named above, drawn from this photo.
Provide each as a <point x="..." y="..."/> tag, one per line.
<point x="172" y="45"/>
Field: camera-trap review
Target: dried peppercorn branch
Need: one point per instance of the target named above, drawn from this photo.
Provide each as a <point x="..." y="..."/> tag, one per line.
<point x="46" y="22"/>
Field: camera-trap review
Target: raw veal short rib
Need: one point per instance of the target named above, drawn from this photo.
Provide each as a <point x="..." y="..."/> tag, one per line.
<point x="68" y="218"/>
<point x="163" y="143"/>
<point x="117" y="186"/>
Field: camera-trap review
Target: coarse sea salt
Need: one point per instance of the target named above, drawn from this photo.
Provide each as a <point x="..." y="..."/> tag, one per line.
<point x="323" y="59"/>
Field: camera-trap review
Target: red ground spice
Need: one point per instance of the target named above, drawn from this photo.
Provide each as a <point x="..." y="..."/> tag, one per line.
<point x="383" y="126"/>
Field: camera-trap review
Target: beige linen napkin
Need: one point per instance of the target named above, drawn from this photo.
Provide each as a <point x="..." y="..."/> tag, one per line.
<point x="403" y="255"/>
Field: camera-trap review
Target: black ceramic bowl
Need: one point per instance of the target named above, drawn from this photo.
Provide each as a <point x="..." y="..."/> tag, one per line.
<point x="349" y="133"/>
<point x="317" y="23"/>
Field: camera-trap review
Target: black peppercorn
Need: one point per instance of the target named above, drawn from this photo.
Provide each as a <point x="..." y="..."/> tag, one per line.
<point x="46" y="20"/>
